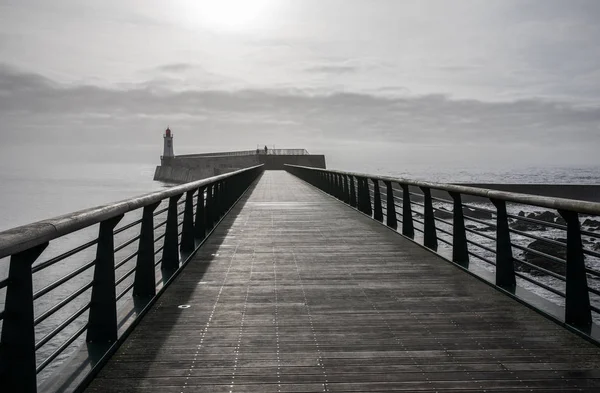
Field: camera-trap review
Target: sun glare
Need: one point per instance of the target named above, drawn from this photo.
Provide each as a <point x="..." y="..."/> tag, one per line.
<point x="226" y="14"/>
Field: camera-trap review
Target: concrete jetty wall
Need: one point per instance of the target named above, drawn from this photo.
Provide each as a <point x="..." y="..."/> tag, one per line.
<point x="183" y="169"/>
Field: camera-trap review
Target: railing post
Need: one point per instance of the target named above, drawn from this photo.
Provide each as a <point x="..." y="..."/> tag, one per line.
<point x="408" y="228"/>
<point x="353" y="201"/>
<point x="221" y="201"/>
<point x="209" y="213"/>
<point x="339" y="187"/>
<point x="187" y="234"/>
<point x="170" y="255"/>
<point x="17" y="353"/>
<point x="577" y="302"/>
<point x="362" y="206"/>
<point x="505" y="267"/>
<point x="144" y="284"/>
<point x="102" y="320"/>
<point x="346" y="190"/>
<point x="200" y="224"/>
<point x="378" y="215"/>
<point x="216" y="202"/>
<point x="368" y="209"/>
<point x="430" y="235"/>
<point x="460" y="250"/>
<point x="391" y="219"/>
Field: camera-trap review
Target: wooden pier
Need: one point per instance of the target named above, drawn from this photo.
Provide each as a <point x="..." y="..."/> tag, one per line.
<point x="297" y="292"/>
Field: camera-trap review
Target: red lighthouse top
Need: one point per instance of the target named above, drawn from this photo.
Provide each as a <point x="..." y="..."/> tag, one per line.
<point x="168" y="132"/>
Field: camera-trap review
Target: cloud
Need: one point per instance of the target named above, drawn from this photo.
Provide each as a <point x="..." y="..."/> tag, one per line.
<point x="176" y="67"/>
<point x="300" y="115"/>
<point x="333" y="69"/>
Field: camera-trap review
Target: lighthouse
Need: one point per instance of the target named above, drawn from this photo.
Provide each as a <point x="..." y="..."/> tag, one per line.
<point x="168" y="149"/>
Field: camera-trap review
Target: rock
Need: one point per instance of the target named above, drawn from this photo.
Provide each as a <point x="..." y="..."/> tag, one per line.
<point x="443" y="213"/>
<point x="588" y="222"/>
<point x="526" y="226"/>
<point x="485" y="229"/>
<point x="547" y="216"/>
<point x="482" y="215"/>
<point x="560" y="221"/>
<point x="521" y="213"/>
<point x="545" y="263"/>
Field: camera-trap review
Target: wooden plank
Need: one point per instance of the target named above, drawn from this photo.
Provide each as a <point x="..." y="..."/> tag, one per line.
<point x="296" y="292"/>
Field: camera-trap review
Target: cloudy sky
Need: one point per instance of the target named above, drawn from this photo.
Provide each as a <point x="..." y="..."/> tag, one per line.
<point x="391" y="82"/>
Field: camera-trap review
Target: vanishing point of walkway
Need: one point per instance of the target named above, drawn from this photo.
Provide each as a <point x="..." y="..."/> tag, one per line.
<point x="297" y="292"/>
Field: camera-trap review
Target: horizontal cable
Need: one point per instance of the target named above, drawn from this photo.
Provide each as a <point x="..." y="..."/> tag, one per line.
<point x="128" y="242"/>
<point x="63" y="303"/>
<point x="539" y="284"/>
<point x="593" y="272"/>
<point x="595" y="235"/>
<point x="126" y="227"/>
<point x="543" y="239"/>
<point x="594" y="309"/>
<point x="484" y="259"/>
<point x="443" y="221"/>
<point x="480" y="234"/>
<point x="481" y="209"/>
<point x="124" y="276"/>
<point x="539" y="253"/>
<point x="158" y="262"/>
<point x="481" y="246"/>
<point x="4" y="283"/>
<point x="444" y="241"/>
<point x="541" y="269"/>
<point x="60" y="327"/>
<point x="124" y="261"/>
<point x="594" y="291"/>
<point x="443" y="231"/>
<point x="160" y="237"/>
<point x="59" y="258"/>
<point x="159" y="250"/>
<point x="1" y="315"/>
<point x="60" y="349"/>
<point x="161" y="211"/>
<point x="442" y="200"/>
<point x="64" y="279"/>
<point x="539" y="222"/>
<point x="477" y="220"/>
<point x="160" y="224"/>
<point x="120" y="295"/>
<point x="590" y="252"/>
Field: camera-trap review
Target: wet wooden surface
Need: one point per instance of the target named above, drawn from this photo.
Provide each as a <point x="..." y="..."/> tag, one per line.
<point x="296" y="292"/>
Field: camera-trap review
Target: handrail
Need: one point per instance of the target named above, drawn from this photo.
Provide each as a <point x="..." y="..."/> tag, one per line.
<point x="192" y="211"/>
<point x="21" y="238"/>
<point x="583" y="207"/>
<point x="378" y="197"/>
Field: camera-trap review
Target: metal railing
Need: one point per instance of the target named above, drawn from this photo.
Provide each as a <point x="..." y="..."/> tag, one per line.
<point x="90" y="291"/>
<point x="281" y="152"/>
<point x="483" y="236"/>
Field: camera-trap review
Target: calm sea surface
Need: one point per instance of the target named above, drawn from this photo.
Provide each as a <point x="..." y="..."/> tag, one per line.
<point x="31" y="195"/>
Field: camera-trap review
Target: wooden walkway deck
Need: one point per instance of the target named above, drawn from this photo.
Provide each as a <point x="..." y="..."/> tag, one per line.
<point x="296" y="292"/>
